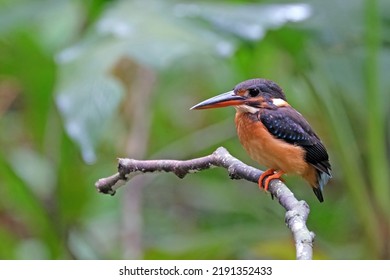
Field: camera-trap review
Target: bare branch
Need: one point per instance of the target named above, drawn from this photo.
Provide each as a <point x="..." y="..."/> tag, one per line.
<point x="297" y="211"/>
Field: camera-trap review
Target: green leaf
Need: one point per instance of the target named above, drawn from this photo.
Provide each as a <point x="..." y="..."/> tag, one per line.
<point x="54" y="23"/>
<point x="247" y="21"/>
<point x="87" y="98"/>
<point x="36" y="171"/>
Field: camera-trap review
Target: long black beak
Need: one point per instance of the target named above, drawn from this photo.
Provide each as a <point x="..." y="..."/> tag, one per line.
<point x="222" y="100"/>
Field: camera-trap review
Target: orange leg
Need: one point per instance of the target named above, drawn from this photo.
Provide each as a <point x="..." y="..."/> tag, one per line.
<point x="268" y="180"/>
<point x="264" y="175"/>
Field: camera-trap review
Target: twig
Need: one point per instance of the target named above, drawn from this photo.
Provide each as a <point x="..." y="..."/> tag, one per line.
<point x="297" y="211"/>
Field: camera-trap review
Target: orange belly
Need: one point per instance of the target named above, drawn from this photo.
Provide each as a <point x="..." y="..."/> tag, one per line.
<point x="270" y="151"/>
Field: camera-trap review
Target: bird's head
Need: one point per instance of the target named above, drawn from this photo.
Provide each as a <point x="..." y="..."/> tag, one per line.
<point x="248" y="96"/>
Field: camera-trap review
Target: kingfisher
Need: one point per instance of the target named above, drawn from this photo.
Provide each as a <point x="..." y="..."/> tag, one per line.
<point x="274" y="134"/>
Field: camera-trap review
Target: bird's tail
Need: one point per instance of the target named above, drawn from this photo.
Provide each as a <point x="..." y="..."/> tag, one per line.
<point x="322" y="180"/>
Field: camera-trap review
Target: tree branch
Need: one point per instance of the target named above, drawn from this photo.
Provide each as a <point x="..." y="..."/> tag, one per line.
<point x="297" y="211"/>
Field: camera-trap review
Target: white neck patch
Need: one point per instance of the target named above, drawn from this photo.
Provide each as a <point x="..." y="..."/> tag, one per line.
<point x="247" y="109"/>
<point x="279" y="102"/>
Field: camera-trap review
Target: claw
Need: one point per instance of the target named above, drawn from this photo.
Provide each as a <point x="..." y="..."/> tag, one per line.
<point x="268" y="180"/>
<point x="264" y="175"/>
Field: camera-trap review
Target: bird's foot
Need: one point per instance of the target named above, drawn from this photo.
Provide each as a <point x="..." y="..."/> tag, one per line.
<point x="263" y="176"/>
<point x="267" y="176"/>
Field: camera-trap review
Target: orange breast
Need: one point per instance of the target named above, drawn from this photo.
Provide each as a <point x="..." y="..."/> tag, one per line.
<point x="268" y="150"/>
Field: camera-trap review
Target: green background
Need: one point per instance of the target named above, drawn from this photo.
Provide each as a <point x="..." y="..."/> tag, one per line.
<point x="85" y="82"/>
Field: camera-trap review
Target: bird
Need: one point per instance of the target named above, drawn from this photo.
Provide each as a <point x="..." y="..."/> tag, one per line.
<point x="274" y="134"/>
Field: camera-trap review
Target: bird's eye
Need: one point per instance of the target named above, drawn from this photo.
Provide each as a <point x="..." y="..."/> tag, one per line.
<point x="253" y="92"/>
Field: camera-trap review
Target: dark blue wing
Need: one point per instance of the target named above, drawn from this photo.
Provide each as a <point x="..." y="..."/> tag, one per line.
<point x="287" y="124"/>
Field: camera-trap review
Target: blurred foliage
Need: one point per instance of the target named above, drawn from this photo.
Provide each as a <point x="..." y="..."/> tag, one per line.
<point x="67" y="86"/>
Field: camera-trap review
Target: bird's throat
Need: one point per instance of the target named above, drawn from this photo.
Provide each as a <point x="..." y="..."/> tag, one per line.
<point x="246" y="109"/>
